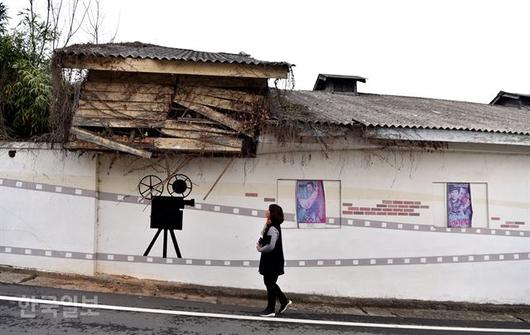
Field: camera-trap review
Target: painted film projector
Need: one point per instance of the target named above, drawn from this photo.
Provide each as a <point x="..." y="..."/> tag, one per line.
<point x="166" y="211"/>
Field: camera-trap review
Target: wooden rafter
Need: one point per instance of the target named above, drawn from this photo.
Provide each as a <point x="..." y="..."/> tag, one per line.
<point x="214" y="115"/>
<point x="181" y="125"/>
<point x="222" y="82"/>
<point x="130" y="96"/>
<point x="116" y="123"/>
<point x="224" y="140"/>
<point x="185" y="144"/>
<point x="175" y="67"/>
<point x="215" y="102"/>
<point x="121" y="114"/>
<point x="91" y="86"/>
<point x="229" y="94"/>
<point x="124" y="105"/>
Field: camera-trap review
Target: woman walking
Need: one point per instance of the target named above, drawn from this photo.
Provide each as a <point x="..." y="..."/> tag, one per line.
<point x="271" y="261"/>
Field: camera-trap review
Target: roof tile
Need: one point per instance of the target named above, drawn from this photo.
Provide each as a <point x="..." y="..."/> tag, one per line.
<point x="373" y="110"/>
<point x="151" y="51"/>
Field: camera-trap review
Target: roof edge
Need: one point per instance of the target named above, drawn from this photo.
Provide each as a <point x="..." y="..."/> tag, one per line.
<point x="133" y="50"/>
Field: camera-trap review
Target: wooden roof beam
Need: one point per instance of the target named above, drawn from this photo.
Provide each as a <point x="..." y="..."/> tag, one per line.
<point x="87" y="136"/>
<point x="193" y="145"/>
<point x="214" y="115"/>
<point x="175" y="67"/>
<point x="182" y="125"/>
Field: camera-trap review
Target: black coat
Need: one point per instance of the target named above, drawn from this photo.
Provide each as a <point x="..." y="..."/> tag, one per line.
<point x="271" y="263"/>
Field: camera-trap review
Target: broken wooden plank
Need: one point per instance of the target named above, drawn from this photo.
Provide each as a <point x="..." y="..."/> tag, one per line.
<point x="131" y="77"/>
<point x="126" y="96"/>
<point x="175" y="67"/>
<point x="118" y="114"/>
<point x="258" y="84"/>
<point x="115" y="123"/>
<point x="183" y="144"/>
<point x="85" y="135"/>
<point x="82" y="145"/>
<point x="194" y="120"/>
<point x="127" y="87"/>
<point x="144" y="143"/>
<point x="192" y="126"/>
<point x="224" y="140"/>
<point x="240" y="96"/>
<point x="215" y="116"/>
<point x="215" y="102"/>
<point x="125" y="105"/>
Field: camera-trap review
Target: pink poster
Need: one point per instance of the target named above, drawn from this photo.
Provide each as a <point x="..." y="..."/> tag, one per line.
<point x="459" y="209"/>
<point x="310" y="201"/>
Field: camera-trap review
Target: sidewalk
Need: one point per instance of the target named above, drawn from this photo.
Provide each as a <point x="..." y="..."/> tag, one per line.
<point x="256" y="298"/>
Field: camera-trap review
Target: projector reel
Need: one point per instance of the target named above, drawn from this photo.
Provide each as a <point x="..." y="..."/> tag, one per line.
<point x="150" y="186"/>
<point x="179" y="185"/>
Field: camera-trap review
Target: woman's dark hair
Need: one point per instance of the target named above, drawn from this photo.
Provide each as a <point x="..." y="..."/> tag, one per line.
<point x="276" y="214"/>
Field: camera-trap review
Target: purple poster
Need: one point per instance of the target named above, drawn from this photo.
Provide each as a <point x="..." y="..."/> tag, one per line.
<point x="310" y="201"/>
<point x="459" y="209"/>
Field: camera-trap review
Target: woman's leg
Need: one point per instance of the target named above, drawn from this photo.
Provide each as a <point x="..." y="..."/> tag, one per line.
<point x="281" y="296"/>
<point x="274" y="291"/>
<point x="272" y="288"/>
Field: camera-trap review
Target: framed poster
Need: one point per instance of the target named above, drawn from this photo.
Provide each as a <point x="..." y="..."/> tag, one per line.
<point x="459" y="209"/>
<point x="310" y="202"/>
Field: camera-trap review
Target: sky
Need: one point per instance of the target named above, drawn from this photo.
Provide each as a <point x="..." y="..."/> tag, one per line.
<point x="449" y="49"/>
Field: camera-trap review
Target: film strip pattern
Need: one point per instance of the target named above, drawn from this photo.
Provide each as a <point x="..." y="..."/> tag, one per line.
<point x="42" y="187"/>
<point x="430" y="228"/>
<point x="347" y="262"/>
<point x="335" y="222"/>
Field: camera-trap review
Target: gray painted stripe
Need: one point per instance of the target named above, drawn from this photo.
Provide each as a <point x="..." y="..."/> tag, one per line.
<point x="430" y="228"/>
<point x="338" y="222"/>
<point x="338" y="262"/>
<point x="43" y="187"/>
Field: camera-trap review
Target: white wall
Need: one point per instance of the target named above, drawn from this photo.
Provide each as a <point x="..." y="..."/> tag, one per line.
<point x="364" y="259"/>
<point x="36" y="214"/>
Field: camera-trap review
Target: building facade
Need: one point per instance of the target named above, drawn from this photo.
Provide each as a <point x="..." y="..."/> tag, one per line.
<point x="53" y="220"/>
<point x="385" y="197"/>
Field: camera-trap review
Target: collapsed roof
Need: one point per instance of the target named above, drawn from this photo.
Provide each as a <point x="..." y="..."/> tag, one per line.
<point x="143" y="99"/>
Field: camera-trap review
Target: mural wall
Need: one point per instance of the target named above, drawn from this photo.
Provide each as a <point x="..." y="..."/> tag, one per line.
<point x="48" y="210"/>
<point x="436" y="225"/>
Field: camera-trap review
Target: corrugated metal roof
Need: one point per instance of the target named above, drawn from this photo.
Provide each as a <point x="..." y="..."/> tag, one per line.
<point x="151" y="51"/>
<point x="373" y="110"/>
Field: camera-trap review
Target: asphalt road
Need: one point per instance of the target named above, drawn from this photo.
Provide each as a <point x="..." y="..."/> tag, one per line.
<point x="127" y="314"/>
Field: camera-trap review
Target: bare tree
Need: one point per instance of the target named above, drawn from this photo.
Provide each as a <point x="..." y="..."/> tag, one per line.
<point x="63" y="21"/>
<point x="95" y="21"/>
<point x="75" y="19"/>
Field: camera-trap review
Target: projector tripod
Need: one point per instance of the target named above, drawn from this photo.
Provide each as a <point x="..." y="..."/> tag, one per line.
<point x="164" y="250"/>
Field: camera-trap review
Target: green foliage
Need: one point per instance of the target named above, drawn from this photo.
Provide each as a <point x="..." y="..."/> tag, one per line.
<point x="28" y="98"/>
<point x="25" y="76"/>
<point x="3" y="18"/>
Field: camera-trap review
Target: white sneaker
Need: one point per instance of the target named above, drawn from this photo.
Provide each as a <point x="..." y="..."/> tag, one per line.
<point x="283" y="308"/>
<point x="267" y="313"/>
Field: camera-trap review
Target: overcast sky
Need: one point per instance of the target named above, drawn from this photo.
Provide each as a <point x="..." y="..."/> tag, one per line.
<point x="450" y="49"/>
